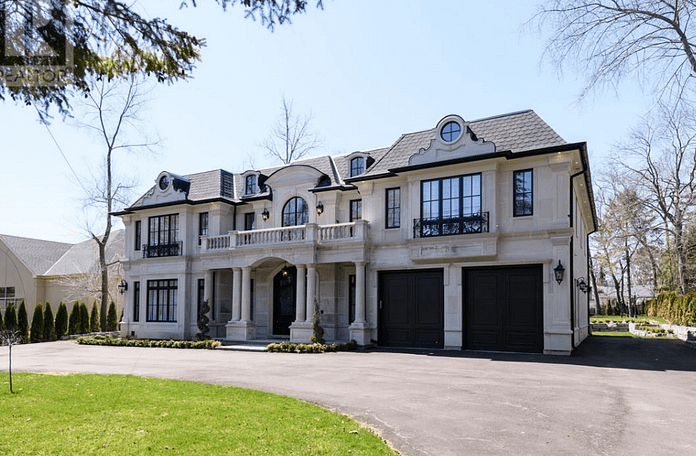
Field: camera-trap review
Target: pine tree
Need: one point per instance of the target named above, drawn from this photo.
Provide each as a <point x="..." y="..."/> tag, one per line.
<point x="37" y="324"/>
<point x="61" y="320"/>
<point x="10" y="318"/>
<point x="74" y="322"/>
<point x="94" y="318"/>
<point x="84" y="319"/>
<point x="23" y="322"/>
<point x="111" y="318"/>
<point x="49" y="326"/>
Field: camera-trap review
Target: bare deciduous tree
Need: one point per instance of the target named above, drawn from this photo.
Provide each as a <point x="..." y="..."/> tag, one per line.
<point x="10" y="337"/>
<point x="609" y="39"/>
<point x="291" y="138"/>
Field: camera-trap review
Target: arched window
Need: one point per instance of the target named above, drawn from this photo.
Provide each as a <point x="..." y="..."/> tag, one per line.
<point x="295" y="212"/>
<point x="250" y="184"/>
<point x="357" y="166"/>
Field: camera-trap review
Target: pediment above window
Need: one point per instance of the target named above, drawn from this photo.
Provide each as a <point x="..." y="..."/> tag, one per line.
<point x="168" y="188"/>
<point x="453" y="139"/>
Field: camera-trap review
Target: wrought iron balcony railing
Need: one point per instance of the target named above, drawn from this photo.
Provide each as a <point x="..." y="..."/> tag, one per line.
<point x="164" y="250"/>
<point x="467" y="224"/>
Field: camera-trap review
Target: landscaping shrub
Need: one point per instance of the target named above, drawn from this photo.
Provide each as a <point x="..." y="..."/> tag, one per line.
<point x="10" y="318"/>
<point x="94" y="318"/>
<point x="61" y="321"/>
<point x="49" y="324"/>
<point x="74" y="321"/>
<point x="23" y="322"/>
<point x="678" y="310"/>
<point x="2" y="324"/>
<point x="84" y="319"/>
<point x="37" y="324"/>
<point x="287" y="347"/>
<point x="115" y="341"/>
<point x="111" y="318"/>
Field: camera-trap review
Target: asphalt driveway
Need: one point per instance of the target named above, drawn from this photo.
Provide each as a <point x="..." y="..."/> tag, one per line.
<point x="613" y="396"/>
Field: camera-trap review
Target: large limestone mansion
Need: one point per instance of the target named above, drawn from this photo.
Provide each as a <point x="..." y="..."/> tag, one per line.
<point x="467" y="235"/>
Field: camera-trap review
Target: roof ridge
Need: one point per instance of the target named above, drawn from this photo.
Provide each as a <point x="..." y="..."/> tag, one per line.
<point x="498" y="116"/>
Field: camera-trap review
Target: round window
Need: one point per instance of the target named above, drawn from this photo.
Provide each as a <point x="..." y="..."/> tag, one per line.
<point x="451" y="131"/>
<point x="164" y="182"/>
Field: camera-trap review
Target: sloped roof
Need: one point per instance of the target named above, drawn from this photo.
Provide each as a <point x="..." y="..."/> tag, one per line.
<point x="37" y="255"/>
<point x="84" y="257"/>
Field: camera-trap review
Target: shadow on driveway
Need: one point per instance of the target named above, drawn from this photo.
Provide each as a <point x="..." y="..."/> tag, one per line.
<point x="595" y="351"/>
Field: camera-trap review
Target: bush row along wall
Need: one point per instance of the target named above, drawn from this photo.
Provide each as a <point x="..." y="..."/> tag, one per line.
<point x="677" y="309"/>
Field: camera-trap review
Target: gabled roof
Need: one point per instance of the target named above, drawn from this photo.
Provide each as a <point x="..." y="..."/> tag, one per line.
<point x="84" y="257"/>
<point x="37" y="255"/>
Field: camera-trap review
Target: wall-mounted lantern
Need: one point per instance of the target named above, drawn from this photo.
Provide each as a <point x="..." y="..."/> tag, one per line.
<point x="582" y="285"/>
<point x="559" y="271"/>
<point x="320" y="208"/>
<point x="265" y="214"/>
<point x="122" y="286"/>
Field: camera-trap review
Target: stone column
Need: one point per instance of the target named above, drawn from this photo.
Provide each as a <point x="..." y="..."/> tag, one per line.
<point x="246" y="294"/>
<point x="236" y="294"/>
<point x="300" y="297"/>
<point x="360" y="292"/>
<point x="311" y="291"/>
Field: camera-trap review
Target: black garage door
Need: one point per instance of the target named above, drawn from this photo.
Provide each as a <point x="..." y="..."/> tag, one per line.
<point x="504" y="309"/>
<point x="411" y="309"/>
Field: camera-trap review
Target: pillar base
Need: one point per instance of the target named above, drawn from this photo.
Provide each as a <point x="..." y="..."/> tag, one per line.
<point x="240" y="330"/>
<point x="360" y="333"/>
<point x="301" y="332"/>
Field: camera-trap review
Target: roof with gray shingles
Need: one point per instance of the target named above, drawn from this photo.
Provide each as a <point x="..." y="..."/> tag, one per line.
<point x="37" y="255"/>
<point x="84" y="257"/>
<point x="515" y="132"/>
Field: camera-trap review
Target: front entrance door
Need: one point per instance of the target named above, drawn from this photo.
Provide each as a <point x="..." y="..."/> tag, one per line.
<point x="284" y="295"/>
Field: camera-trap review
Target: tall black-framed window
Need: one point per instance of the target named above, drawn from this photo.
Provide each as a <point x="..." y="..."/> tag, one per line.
<point x="357" y="166"/>
<point x="450" y="206"/>
<point x="136" y="301"/>
<point x="523" y="193"/>
<point x="250" y="185"/>
<point x="295" y="212"/>
<point x="138" y="234"/>
<point x="351" y="298"/>
<point x="393" y="208"/>
<point x="249" y="221"/>
<point x="163" y="235"/>
<point x="355" y="210"/>
<point x="202" y="226"/>
<point x="162" y="298"/>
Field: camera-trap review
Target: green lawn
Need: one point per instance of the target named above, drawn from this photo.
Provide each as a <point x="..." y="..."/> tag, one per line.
<point x="126" y="415"/>
<point x="619" y="319"/>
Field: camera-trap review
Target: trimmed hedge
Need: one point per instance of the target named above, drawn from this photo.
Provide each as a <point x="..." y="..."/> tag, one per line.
<point x="678" y="310"/>
<point x="114" y="341"/>
<point x="287" y="347"/>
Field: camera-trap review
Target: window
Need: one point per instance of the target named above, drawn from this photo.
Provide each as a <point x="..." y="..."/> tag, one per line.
<point x="202" y="225"/>
<point x="393" y="208"/>
<point x="138" y="234"/>
<point x="136" y="301"/>
<point x="249" y="221"/>
<point x="523" y="193"/>
<point x="355" y="210"/>
<point x="351" y="298"/>
<point x="201" y="297"/>
<point x="163" y="234"/>
<point x="295" y="212"/>
<point x="250" y="185"/>
<point x="451" y="131"/>
<point x="451" y="206"/>
<point x="357" y="166"/>
<point x="7" y="296"/>
<point x="161" y="300"/>
<point x="164" y="182"/>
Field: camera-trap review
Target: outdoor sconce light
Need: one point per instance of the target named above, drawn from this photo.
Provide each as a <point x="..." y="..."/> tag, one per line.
<point x="265" y="214"/>
<point x="558" y="272"/>
<point x="582" y="285"/>
<point x="122" y="286"/>
<point x="320" y="208"/>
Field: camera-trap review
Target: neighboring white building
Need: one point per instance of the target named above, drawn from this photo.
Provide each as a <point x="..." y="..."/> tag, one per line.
<point x="448" y="238"/>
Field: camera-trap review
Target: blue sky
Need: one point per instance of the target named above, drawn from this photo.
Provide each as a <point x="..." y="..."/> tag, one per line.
<point x="367" y="71"/>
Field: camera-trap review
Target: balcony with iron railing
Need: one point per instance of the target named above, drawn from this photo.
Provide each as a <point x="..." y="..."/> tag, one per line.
<point x="288" y="235"/>
<point x="163" y="250"/>
<point x="467" y="224"/>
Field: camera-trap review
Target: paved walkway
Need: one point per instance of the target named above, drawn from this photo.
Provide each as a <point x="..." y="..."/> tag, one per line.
<point x="613" y="396"/>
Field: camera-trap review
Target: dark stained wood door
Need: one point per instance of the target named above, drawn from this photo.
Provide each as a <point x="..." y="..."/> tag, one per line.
<point x="284" y="297"/>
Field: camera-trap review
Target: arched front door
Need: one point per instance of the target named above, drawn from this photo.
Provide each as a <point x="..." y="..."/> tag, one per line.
<point x="284" y="295"/>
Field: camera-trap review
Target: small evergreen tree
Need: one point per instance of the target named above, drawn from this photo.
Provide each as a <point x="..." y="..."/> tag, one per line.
<point x="111" y="318"/>
<point x="11" y="318"/>
<point x="49" y="324"/>
<point x="74" y="321"/>
<point x="23" y="322"/>
<point x="94" y="318"/>
<point x="61" y="320"/>
<point x="317" y="330"/>
<point x="2" y="324"/>
<point x="84" y="319"/>
<point x="37" y="324"/>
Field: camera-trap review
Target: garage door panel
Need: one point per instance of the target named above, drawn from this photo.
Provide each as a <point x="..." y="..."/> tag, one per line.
<point x="485" y="340"/>
<point x="485" y="294"/>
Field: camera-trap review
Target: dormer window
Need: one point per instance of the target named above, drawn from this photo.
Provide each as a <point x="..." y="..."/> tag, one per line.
<point x="164" y="182"/>
<point x="357" y="166"/>
<point x="451" y="131"/>
<point x="250" y="184"/>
